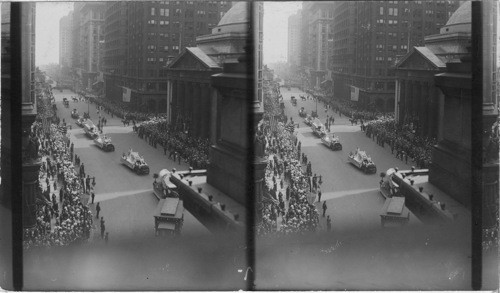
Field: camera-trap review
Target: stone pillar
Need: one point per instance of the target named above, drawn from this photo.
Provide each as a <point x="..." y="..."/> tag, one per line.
<point x="402" y="101"/>
<point x="408" y="99"/>
<point x="425" y="110"/>
<point x="174" y="104"/>
<point x="205" y="110"/>
<point x="196" y="113"/>
<point x="181" y="97"/>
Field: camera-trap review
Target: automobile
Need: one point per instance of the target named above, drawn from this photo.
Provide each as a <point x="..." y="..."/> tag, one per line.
<point x="332" y="142"/>
<point x="90" y="129"/>
<point x="389" y="188"/>
<point x="104" y="143"/>
<point x="308" y="120"/>
<point x="169" y="217"/>
<point x="81" y="121"/>
<point x="135" y="162"/>
<point x="163" y="187"/>
<point x="362" y="161"/>
<point x="302" y="112"/>
<point x="318" y="128"/>
<point x="74" y="114"/>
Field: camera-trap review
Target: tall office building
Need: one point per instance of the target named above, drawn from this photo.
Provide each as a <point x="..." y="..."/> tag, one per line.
<point x="370" y="36"/>
<point x="294" y="38"/>
<point x="65" y="40"/>
<point x="154" y="33"/>
<point x="88" y="38"/>
<point x="316" y="39"/>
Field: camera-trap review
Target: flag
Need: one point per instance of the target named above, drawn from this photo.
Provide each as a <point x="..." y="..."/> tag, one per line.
<point x="126" y="94"/>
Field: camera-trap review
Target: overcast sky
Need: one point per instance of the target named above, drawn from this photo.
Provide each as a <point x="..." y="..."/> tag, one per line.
<point x="276" y="29"/>
<point x="48" y="15"/>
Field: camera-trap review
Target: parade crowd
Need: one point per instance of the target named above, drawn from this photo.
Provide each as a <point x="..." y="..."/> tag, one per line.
<point x="293" y="208"/>
<point x="179" y="144"/>
<point x="115" y="109"/>
<point x="404" y="143"/>
<point x="61" y="219"/>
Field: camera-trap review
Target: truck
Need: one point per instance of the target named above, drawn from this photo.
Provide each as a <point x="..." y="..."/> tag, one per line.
<point x="362" y="161"/>
<point x="169" y="216"/>
<point x="332" y="142"/>
<point x="135" y="162"/>
<point x="163" y="188"/>
<point x="104" y="143"/>
<point x="90" y="129"/>
<point x="318" y="128"/>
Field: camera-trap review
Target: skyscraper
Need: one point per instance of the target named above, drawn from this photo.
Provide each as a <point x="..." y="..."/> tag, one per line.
<point x="153" y="34"/>
<point x="294" y="39"/>
<point x="65" y="40"/>
<point x="369" y="37"/>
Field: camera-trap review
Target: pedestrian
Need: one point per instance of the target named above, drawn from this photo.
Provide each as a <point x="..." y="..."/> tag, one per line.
<point x="97" y="209"/>
<point x="87" y="183"/>
<point x="324" y="208"/>
<point x="92" y="195"/>
<point x="103" y="228"/>
<point x="319" y="195"/>
<point x="106" y="238"/>
<point x="61" y="194"/>
<point x="179" y="157"/>
<point x="93" y="182"/>
<point x="328" y="223"/>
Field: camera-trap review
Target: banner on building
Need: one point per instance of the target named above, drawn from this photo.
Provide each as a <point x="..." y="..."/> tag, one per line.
<point x="126" y="94"/>
<point x="354" y="93"/>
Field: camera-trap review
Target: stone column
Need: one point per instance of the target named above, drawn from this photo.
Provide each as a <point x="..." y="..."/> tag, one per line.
<point x="174" y="106"/>
<point x="205" y="110"/>
<point x="196" y="113"/>
<point x="181" y="97"/>
<point x="402" y="101"/>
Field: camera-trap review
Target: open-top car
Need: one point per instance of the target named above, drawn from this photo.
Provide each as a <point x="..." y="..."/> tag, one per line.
<point x="81" y="121"/>
<point x="135" y="162"/>
<point x="362" y="161"/>
<point x="302" y="112"/>
<point x="308" y="120"/>
<point x="74" y="114"/>
<point x="163" y="187"/>
<point x="332" y="142"/>
<point x="90" y="129"/>
<point x="318" y="128"/>
<point x="104" y="143"/>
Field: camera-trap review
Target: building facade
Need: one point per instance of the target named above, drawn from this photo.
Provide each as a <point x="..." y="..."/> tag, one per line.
<point x="417" y="99"/>
<point x="373" y="35"/>
<point x="88" y="34"/>
<point x="190" y="98"/>
<point x="294" y="39"/>
<point x="156" y="33"/>
<point x="316" y="40"/>
<point x="65" y="40"/>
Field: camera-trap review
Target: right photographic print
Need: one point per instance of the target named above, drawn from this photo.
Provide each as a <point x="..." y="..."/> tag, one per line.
<point x="378" y="145"/>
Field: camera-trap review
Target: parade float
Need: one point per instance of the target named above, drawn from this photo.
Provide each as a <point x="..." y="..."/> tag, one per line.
<point x="332" y="142"/>
<point x="362" y="161"/>
<point x="104" y="143"/>
<point x="135" y="162"/>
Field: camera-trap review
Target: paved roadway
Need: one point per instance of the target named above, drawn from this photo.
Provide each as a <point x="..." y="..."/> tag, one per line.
<point x="114" y="180"/>
<point x="358" y="254"/>
<point x="134" y="258"/>
<point x="341" y="180"/>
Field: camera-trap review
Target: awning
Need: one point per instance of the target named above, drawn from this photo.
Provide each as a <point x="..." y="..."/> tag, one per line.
<point x="166" y="226"/>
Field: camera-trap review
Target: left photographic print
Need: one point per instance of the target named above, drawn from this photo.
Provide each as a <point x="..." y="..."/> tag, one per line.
<point x="134" y="143"/>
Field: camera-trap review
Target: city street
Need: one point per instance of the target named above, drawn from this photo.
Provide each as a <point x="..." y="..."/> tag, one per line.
<point x="341" y="180"/>
<point x="358" y="254"/>
<point x="127" y="199"/>
<point x="133" y="256"/>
